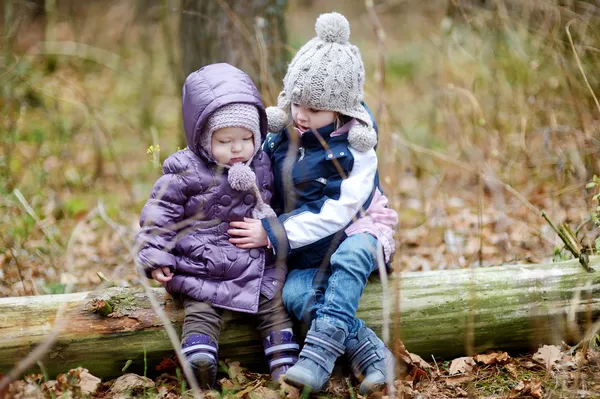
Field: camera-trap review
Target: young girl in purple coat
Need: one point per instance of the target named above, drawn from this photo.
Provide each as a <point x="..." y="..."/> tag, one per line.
<point x="332" y="215"/>
<point x="221" y="177"/>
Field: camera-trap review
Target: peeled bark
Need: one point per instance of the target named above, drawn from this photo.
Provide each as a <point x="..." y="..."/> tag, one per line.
<point x="442" y="313"/>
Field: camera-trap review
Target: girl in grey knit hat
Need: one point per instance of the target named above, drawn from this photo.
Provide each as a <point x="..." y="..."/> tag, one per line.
<point x="333" y="219"/>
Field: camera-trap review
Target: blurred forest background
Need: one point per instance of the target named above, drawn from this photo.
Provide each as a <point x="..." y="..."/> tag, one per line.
<point x="488" y="112"/>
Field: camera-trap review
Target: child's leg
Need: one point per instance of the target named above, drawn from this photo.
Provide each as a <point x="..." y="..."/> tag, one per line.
<point x="201" y="329"/>
<point x="335" y="328"/>
<point x="275" y="328"/>
<point x="351" y="265"/>
<point x="303" y="293"/>
<point x="331" y="303"/>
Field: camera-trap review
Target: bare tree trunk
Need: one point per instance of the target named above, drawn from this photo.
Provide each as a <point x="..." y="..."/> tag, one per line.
<point x="514" y="307"/>
<point x="247" y="34"/>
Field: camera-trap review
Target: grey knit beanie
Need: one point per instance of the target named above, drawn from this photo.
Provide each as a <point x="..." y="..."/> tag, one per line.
<point x="327" y="73"/>
<point x="240" y="175"/>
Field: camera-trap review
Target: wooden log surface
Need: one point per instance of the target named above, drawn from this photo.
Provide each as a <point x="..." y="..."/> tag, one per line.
<point x="440" y="313"/>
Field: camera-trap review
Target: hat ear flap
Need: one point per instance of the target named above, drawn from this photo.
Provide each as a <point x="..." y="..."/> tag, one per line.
<point x="362" y="138"/>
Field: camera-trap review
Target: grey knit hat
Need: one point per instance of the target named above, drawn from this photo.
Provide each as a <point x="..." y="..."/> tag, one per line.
<point x="327" y="73"/>
<point x="240" y="175"/>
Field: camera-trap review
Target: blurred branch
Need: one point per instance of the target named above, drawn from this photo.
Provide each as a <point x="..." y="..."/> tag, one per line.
<point x="39" y="223"/>
<point x="587" y="83"/>
<point x="156" y="307"/>
<point x="380" y="74"/>
<point x="469" y="168"/>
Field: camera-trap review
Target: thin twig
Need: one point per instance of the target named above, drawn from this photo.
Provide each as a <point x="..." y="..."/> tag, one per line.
<point x="61" y="320"/>
<point x="12" y="255"/>
<point x="171" y="333"/>
<point x="469" y="168"/>
<point x="380" y="75"/>
<point x="385" y="313"/>
<point x="587" y="83"/>
<point x="35" y="217"/>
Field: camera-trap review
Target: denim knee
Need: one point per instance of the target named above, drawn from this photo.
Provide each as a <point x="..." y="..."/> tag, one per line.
<point x="298" y="294"/>
<point x="357" y="254"/>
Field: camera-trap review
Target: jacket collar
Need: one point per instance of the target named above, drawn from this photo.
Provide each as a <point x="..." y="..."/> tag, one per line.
<point x="310" y="139"/>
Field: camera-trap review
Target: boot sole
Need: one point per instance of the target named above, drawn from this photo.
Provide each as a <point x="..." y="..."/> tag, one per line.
<point x="205" y="372"/>
<point x="377" y="387"/>
<point x="299" y="384"/>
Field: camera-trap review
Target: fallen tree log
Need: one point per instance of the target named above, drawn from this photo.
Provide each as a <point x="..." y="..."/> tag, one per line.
<point x="441" y="313"/>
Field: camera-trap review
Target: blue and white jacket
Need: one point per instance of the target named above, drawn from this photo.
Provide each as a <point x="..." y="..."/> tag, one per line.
<point x="320" y="188"/>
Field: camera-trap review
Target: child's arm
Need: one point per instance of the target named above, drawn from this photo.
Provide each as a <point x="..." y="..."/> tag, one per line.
<point x="319" y="219"/>
<point x="159" y="219"/>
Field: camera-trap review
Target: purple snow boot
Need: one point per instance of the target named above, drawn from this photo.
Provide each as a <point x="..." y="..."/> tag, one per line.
<point x="281" y="350"/>
<point x="201" y="353"/>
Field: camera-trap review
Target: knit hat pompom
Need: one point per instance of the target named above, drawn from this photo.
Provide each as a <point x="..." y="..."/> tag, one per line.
<point x="241" y="177"/>
<point x="333" y="27"/>
<point x="277" y="119"/>
<point x="362" y="138"/>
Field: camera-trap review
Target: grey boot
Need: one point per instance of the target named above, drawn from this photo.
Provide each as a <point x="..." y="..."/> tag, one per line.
<point x="324" y="343"/>
<point x="370" y="360"/>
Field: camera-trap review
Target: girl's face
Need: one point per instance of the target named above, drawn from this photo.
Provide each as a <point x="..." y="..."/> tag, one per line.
<point x="310" y="118"/>
<point x="231" y="145"/>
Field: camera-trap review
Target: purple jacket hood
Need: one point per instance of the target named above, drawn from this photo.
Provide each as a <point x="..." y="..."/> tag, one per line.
<point x="210" y="88"/>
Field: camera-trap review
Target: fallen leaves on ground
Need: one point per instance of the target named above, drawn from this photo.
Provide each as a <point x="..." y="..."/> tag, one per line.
<point x="550" y="372"/>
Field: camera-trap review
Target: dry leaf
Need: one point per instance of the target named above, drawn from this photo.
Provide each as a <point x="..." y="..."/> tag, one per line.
<point x="403" y="359"/>
<point x="512" y="370"/>
<point x="530" y="365"/>
<point x="548" y="355"/>
<point x="418" y="361"/>
<point x="289" y="391"/>
<point x="263" y="393"/>
<point x="492" y="357"/>
<point x="125" y="384"/>
<point x="24" y="390"/>
<point x="567" y="362"/>
<point x="528" y="388"/>
<point x="234" y="369"/>
<point x="461" y="365"/>
<point x="458" y="380"/>
<point x="227" y="384"/>
<point x="88" y="382"/>
<point x="580" y="358"/>
<point x="167" y="363"/>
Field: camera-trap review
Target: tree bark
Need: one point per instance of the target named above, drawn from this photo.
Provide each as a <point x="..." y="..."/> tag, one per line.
<point x="250" y="35"/>
<point x="442" y="313"/>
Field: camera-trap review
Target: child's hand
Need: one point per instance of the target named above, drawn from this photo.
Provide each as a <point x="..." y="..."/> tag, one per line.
<point x="162" y="274"/>
<point x="250" y="232"/>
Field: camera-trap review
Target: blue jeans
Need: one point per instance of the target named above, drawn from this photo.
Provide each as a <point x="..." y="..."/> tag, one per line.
<point x="333" y="293"/>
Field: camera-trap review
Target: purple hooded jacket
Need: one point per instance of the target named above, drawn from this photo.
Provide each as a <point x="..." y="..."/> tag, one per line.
<point x="185" y="221"/>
